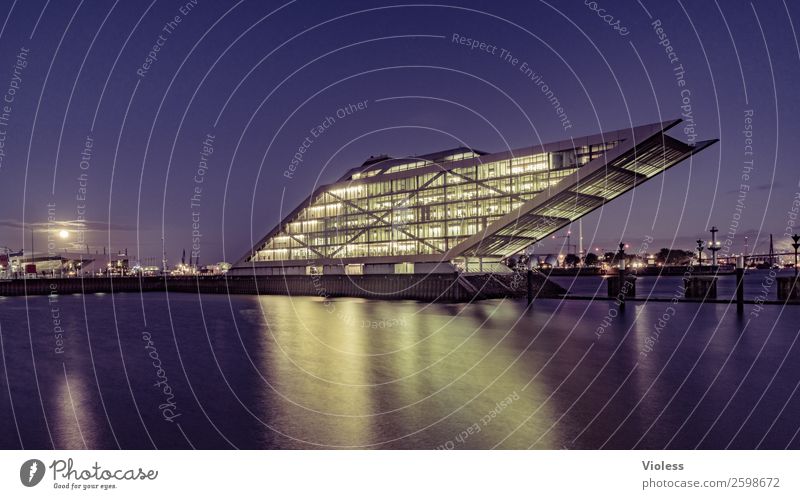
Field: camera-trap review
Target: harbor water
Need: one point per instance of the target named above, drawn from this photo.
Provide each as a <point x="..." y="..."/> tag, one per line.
<point x="167" y="371"/>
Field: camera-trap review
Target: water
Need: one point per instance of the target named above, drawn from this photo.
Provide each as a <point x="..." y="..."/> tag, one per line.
<point x="757" y="283"/>
<point x="281" y="372"/>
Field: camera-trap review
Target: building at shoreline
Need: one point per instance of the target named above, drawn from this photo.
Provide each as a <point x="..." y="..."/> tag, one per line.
<point x="461" y="208"/>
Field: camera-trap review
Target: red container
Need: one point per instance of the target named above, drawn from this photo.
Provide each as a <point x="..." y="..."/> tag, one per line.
<point x="30" y="268"/>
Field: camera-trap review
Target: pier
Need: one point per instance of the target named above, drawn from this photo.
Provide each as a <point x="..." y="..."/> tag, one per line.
<point x="424" y="287"/>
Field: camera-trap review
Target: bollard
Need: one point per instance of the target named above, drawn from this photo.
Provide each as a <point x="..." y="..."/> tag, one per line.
<point x="623" y="291"/>
<point x="530" y="286"/>
<point x="740" y="285"/>
<point x="620" y="289"/>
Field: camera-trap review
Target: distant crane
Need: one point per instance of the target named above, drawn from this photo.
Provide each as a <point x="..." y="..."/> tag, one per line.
<point x="569" y="244"/>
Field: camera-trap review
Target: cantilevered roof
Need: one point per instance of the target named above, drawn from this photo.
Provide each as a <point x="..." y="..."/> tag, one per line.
<point x="648" y="153"/>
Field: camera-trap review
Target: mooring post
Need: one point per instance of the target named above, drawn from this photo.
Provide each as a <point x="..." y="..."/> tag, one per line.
<point x="740" y="285"/>
<point x="621" y="296"/>
<point x="530" y="283"/>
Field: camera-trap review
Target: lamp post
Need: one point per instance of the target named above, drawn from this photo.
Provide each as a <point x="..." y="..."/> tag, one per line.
<point x="164" y="257"/>
<point x="714" y="245"/>
<point x="33" y="257"/>
<point x="795" y="245"/>
<point x="746" y="246"/>
<point x="700" y="246"/>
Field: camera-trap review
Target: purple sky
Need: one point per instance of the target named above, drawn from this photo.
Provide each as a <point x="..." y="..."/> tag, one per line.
<point x="257" y="76"/>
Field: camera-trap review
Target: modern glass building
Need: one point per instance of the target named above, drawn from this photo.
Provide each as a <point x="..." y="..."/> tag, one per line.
<point x="461" y="207"/>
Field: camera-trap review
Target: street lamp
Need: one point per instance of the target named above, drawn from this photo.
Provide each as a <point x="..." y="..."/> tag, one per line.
<point x="700" y="246"/>
<point x="714" y="245"/>
<point x="795" y="245"/>
<point x="623" y="291"/>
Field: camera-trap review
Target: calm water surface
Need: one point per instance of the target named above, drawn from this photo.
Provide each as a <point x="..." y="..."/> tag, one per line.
<point x="757" y="283"/>
<point x="211" y="371"/>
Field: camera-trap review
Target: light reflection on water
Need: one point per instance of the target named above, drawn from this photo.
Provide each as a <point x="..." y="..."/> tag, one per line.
<point x="756" y="283"/>
<point x="281" y="372"/>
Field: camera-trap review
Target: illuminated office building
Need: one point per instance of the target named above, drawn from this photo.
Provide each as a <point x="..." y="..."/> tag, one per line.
<point x="459" y="208"/>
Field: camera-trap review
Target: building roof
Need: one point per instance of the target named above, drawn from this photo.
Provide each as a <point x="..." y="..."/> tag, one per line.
<point x="383" y="162"/>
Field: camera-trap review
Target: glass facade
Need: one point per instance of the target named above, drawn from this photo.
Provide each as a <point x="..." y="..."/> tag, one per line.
<point x="418" y="207"/>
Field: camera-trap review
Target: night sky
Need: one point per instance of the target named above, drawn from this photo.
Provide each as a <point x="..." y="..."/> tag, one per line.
<point x="250" y="79"/>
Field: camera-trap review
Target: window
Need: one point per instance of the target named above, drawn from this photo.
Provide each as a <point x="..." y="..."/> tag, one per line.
<point x="460" y="156"/>
<point x="366" y="174"/>
<point x="354" y="269"/>
<point x="404" y="268"/>
<point x="407" y="166"/>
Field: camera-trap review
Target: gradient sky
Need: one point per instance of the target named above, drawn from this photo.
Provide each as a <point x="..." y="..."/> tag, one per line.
<point x="259" y="75"/>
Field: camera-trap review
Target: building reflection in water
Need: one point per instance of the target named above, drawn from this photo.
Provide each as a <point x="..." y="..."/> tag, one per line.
<point x="361" y="373"/>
